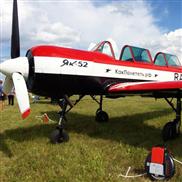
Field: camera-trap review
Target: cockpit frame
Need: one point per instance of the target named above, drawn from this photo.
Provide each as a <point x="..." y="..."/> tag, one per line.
<point x="133" y="58"/>
<point x="165" y="55"/>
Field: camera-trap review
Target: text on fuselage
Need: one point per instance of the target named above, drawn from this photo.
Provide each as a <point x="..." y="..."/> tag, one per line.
<point x="67" y="62"/>
<point x="177" y="76"/>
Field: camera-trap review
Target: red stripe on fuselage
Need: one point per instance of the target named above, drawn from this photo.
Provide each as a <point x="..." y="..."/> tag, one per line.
<point x="143" y="86"/>
<point x="54" y="51"/>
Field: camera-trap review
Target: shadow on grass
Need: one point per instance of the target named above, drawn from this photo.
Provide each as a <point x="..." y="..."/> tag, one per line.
<point x="4" y="147"/>
<point x="131" y="129"/>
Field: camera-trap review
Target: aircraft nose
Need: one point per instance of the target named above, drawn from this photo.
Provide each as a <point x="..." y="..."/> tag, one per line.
<point x="11" y="66"/>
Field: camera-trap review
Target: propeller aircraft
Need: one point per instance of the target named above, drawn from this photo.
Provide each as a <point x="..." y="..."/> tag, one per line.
<point x="60" y="72"/>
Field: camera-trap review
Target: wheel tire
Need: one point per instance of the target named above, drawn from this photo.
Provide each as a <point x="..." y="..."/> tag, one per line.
<point x="59" y="136"/>
<point x="169" y="131"/>
<point x="64" y="136"/>
<point x="176" y="126"/>
<point x="98" y="110"/>
<point x="101" y="116"/>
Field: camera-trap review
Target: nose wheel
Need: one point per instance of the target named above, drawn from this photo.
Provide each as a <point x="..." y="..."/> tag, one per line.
<point x="59" y="136"/>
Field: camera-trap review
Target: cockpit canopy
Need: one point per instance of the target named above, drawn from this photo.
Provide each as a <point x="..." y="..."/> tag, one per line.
<point x="131" y="53"/>
<point x="104" y="47"/>
<point x="137" y="55"/>
<point x="163" y="59"/>
<point x="128" y="53"/>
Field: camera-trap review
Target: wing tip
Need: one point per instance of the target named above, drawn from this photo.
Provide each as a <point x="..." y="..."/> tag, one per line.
<point x="26" y="113"/>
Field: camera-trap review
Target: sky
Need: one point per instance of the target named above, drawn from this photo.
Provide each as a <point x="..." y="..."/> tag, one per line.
<point x="170" y="15"/>
<point x="153" y="24"/>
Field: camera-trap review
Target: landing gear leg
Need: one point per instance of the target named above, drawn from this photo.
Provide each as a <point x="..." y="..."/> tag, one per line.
<point x="101" y="116"/>
<point x="172" y="129"/>
<point x="59" y="135"/>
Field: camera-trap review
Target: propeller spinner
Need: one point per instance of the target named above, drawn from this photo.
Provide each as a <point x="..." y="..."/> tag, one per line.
<point x="16" y="68"/>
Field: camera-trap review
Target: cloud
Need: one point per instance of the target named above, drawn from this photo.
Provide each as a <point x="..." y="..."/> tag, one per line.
<point x="55" y="33"/>
<point x="170" y="42"/>
<point x="78" y="23"/>
<point x="36" y="25"/>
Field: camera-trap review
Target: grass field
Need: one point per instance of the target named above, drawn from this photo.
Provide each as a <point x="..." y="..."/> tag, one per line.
<point x="96" y="152"/>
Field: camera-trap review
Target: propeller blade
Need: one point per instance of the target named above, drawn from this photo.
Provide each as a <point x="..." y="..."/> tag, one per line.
<point x="21" y="94"/>
<point x="15" y="40"/>
<point x="8" y="85"/>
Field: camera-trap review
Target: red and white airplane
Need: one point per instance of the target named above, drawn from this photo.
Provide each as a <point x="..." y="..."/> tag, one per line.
<point x="60" y="72"/>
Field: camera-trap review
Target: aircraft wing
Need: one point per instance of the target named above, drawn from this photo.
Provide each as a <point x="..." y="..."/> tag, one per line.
<point x="144" y="86"/>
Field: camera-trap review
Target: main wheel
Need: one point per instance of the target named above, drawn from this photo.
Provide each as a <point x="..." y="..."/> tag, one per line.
<point x="59" y="136"/>
<point x="176" y="127"/>
<point x="170" y="131"/>
<point x="101" y="116"/>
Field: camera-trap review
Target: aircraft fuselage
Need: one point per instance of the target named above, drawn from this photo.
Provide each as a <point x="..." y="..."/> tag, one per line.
<point x="55" y="71"/>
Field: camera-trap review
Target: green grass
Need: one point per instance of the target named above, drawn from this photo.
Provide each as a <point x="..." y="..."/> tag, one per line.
<point x="95" y="152"/>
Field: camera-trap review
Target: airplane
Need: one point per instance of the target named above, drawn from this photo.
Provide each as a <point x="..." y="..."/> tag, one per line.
<point x="60" y="72"/>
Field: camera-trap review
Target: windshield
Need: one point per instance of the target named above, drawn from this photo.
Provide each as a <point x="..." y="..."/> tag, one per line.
<point x="141" y="55"/>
